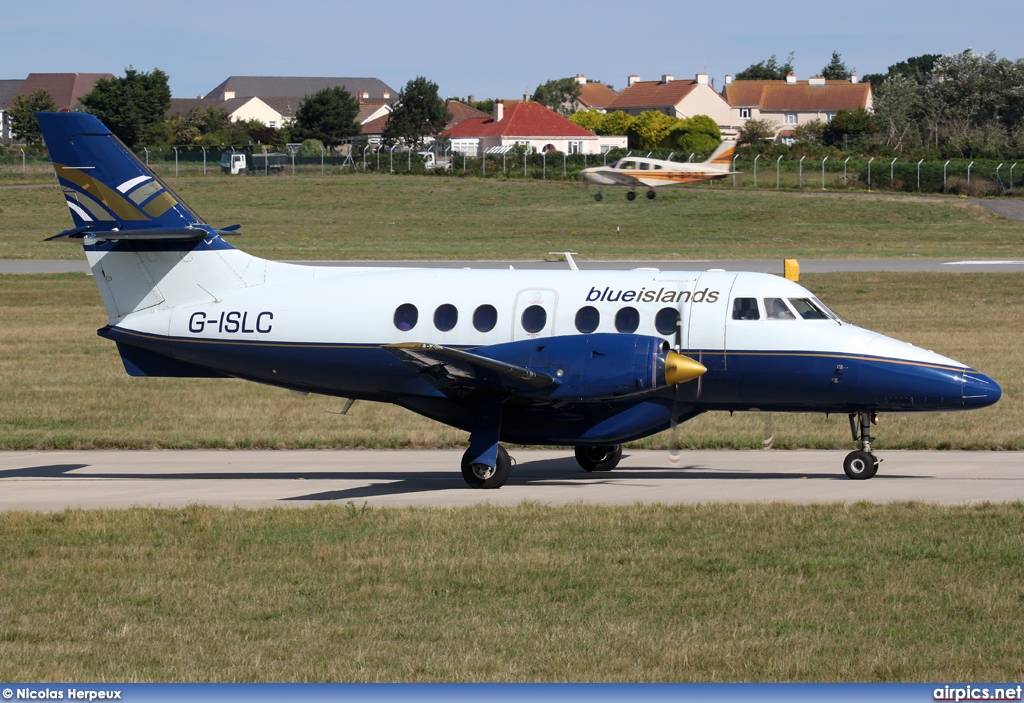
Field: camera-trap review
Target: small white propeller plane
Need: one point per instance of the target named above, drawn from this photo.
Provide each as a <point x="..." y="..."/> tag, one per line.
<point x="634" y="171"/>
<point x="590" y="359"/>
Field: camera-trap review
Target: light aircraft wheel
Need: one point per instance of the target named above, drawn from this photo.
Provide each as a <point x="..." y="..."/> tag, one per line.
<point x="631" y="195"/>
<point x="651" y="195"/>
<point x="484" y="476"/>
<point x="603" y="458"/>
<point x="860" y="465"/>
<point x="598" y="197"/>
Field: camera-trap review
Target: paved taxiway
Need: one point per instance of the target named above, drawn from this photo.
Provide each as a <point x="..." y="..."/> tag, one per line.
<point x="55" y="480"/>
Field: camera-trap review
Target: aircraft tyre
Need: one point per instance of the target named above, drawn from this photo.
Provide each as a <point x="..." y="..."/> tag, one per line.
<point x="484" y="476"/>
<point x="860" y="465"/>
<point x="603" y="458"/>
<point x="598" y="197"/>
<point x="651" y="195"/>
<point x="631" y="195"/>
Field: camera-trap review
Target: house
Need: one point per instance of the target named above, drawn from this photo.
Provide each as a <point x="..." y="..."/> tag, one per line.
<point x="594" y="95"/>
<point x="238" y="109"/>
<point x="526" y="124"/>
<point x="790" y="103"/>
<point x="675" y="98"/>
<point x="8" y="89"/>
<point x="365" y="90"/>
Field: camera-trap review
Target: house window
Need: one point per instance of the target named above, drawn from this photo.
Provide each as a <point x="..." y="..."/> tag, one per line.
<point x="272" y="124"/>
<point x="744" y="113"/>
<point x="830" y="116"/>
<point x="575" y="147"/>
<point x="790" y="118"/>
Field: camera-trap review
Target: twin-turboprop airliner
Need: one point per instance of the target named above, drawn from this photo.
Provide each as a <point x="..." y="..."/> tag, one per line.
<point x="590" y="359"/>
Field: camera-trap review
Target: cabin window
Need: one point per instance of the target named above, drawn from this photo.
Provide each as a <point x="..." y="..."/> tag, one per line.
<point x="807" y="309"/>
<point x="645" y="166"/>
<point x="485" y="318"/>
<point x="406" y="316"/>
<point x="666" y="321"/>
<point x="534" y="318"/>
<point x="445" y="317"/>
<point x="745" y="309"/>
<point x="777" y="309"/>
<point x="587" y="319"/>
<point x="627" y="165"/>
<point x="627" y="320"/>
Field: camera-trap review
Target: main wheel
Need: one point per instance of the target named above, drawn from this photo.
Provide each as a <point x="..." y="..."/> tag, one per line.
<point x="598" y="197"/>
<point x="651" y="195"/>
<point x="603" y="458"/>
<point x="860" y="465"/>
<point x="484" y="476"/>
<point x="631" y="195"/>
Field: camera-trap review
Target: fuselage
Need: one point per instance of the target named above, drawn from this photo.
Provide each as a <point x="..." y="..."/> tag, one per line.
<point x="632" y="171"/>
<point x="767" y="343"/>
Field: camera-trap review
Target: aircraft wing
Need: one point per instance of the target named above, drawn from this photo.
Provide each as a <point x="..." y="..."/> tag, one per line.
<point x="610" y="177"/>
<point x="450" y="369"/>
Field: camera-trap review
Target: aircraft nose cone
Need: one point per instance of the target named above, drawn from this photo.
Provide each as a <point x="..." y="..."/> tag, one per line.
<point x="979" y="390"/>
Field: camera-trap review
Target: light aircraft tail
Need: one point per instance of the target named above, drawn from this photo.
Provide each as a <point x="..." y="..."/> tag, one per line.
<point x="145" y="246"/>
<point x="722" y="156"/>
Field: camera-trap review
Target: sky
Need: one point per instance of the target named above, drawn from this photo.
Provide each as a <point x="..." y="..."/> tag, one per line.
<point x="488" y="49"/>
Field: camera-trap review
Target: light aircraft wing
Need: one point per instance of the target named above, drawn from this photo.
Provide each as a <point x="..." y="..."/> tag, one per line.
<point x="450" y="369"/>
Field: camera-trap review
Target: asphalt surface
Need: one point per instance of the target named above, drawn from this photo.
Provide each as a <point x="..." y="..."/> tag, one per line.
<point x="56" y="480"/>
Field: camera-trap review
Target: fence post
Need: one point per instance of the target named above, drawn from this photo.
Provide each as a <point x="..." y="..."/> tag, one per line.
<point x="175" y="162"/>
<point x="409" y="167"/>
<point x="998" y="182"/>
<point x="734" y="169"/>
<point x="565" y="161"/>
<point x="777" y="162"/>
<point x="1011" y="175"/>
<point x="204" y="159"/>
<point x="892" y="171"/>
<point x="293" y="162"/>
<point x="823" y="172"/>
<point x="147" y="155"/>
<point x="321" y="159"/>
<point x="22" y="162"/>
<point x="844" y="168"/>
<point x="919" y="174"/>
<point x="525" y="149"/>
<point x="969" y="177"/>
<point x="944" y="177"/>
<point x="544" y="165"/>
<point x="483" y="164"/>
<point x="869" y="172"/>
<point x="802" y="171"/>
<point x="755" y="169"/>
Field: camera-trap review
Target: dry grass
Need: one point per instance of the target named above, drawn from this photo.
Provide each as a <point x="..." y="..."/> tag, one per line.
<point x="64" y="387"/>
<point x="639" y="593"/>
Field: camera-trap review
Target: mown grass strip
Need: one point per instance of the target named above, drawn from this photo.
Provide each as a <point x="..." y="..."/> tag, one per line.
<point x="640" y="593"/>
<point x="386" y="217"/>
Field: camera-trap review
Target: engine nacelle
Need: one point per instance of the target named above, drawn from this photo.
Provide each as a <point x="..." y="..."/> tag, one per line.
<point x="597" y="366"/>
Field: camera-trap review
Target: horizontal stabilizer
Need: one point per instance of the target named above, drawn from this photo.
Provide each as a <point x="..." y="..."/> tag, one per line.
<point x="449" y="369"/>
<point x="145" y="235"/>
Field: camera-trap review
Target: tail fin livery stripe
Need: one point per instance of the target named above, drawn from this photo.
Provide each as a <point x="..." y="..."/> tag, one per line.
<point x="725" y="158"/>
<point x="82" y="200"/>
<point x="159" y="205"/>
<point x="123" y="209"/>
<point x="128" y="185"/>
<point x="141" y="195"/>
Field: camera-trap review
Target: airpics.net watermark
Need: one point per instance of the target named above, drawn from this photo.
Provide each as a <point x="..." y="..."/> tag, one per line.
<point x="60" y="694"/>
<point x="978" y="693"/>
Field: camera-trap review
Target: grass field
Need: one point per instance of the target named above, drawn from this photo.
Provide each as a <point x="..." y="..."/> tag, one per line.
<point x="388" y="217"/>
<point x="639" y="593"/>
<point x="64" y="387"/>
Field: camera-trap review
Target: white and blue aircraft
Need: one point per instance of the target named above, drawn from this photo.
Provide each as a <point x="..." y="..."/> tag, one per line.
<point x="590" y="359"/>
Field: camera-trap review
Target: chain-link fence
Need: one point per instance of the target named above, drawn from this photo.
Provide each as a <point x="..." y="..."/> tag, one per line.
<point x="977" y="177"/>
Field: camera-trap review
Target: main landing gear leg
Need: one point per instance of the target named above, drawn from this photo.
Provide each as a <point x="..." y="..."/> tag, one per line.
<point x="603" y="458"/>
<point x="486" y="464"/>
<point x="861" y="464"/>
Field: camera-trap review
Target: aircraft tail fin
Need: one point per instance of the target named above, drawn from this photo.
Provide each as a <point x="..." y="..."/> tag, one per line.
<point x="146" y="247"/>
<point x="105" y="186"/>
<point x="722" y="156"/>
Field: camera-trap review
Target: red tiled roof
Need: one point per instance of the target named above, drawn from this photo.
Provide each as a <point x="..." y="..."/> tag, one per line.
<point x="376" y="126"/>
<point x="65" y="88"/>
<point x="778" y="96"/>
<point x="462" y="112"/>
<point x="596" y="95"/>
<point x="521" y="119"/>
<point x="652" y="94"/>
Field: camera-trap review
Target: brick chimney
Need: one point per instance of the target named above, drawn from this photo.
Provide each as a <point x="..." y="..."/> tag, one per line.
<point x="499" y="110"/>
<point x="229" y="94"/>
<point x="632" y="79"/>
<point x="702" y="79"/>
<point x="854" y="78"/>
<point x="667" y="78"/>
<point x="581" y="79"/>
<point x="790" y="78"/>
<point x="816" y="80"/>
<point x="728" y="79"/>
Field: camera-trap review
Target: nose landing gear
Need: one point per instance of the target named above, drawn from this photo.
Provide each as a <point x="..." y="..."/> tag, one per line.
<point x="861" y="464"/>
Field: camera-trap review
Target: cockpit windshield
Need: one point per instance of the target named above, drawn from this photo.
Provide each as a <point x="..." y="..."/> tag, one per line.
<point x="807" y="309"/>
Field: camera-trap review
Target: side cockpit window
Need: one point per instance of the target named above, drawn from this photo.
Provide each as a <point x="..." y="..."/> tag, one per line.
<point x="776" y="309"/>
<point x="806" y="309"/>
<point x="745" y="309"/>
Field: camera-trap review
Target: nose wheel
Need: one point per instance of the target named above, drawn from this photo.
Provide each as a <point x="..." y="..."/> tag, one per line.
<point x="861" y="464"/>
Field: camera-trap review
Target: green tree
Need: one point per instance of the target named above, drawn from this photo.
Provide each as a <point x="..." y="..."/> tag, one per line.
<point x="810" y="132"/>
<point x="897" y="108"/>
<point x="328" y="115"/>
<point x="559" y="95"/>
<point x="615" y="124"/>
<point x="23" y="111"/>
<point x="694" y="135"/>
<point x="768" y="70"/>
<point x="755" y="131"/>
<point x="836" y="70"/>
<point x="198" y="123"/>
<point x="134" y="107"/>
<point x="587" y="119"/>
<point x="649" y="130"/>
<point x="848" y="123"/>
<point x="419" y="113"/>
<point x="916" y="68"/>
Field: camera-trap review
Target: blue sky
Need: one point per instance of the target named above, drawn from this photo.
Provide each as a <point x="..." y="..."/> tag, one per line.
<point x="488" y="49"/>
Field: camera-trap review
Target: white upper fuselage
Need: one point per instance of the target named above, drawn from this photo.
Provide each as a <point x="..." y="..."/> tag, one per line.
<point x="632" y="171"/>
